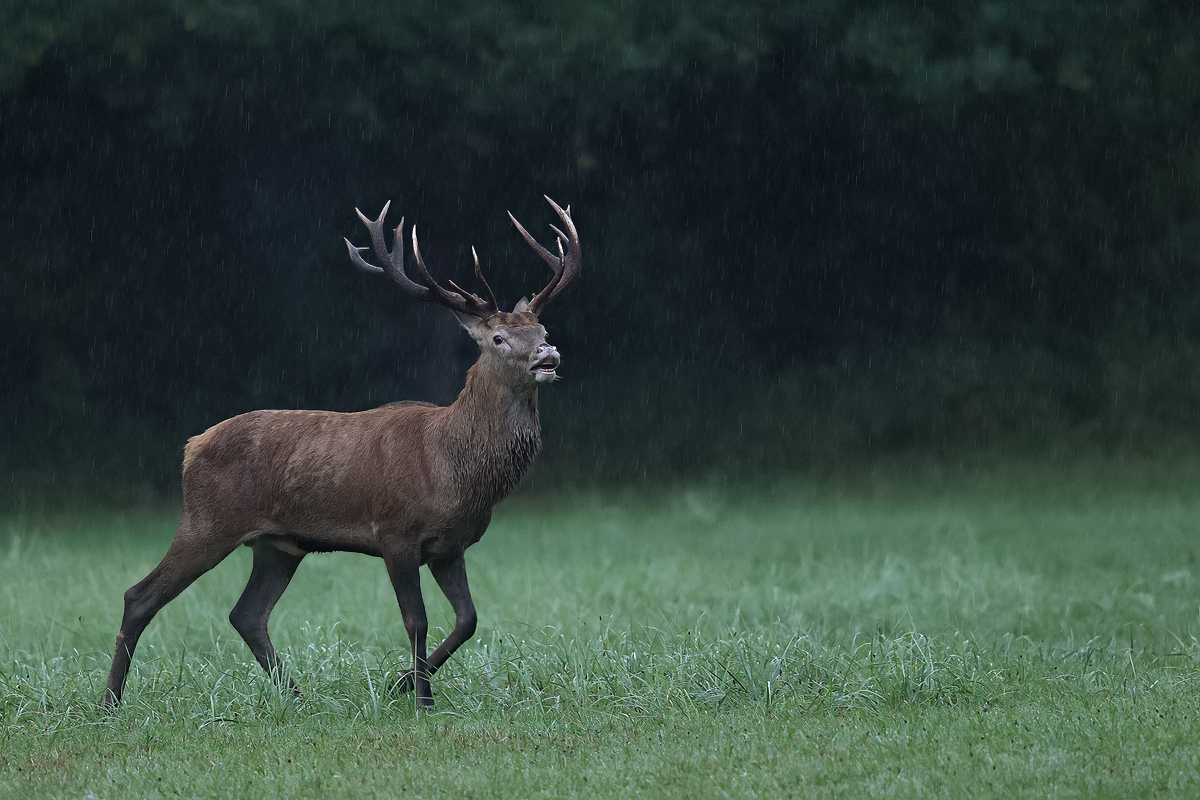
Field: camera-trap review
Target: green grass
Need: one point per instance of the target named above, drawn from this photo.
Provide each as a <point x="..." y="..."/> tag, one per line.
<point x="1027" y="632"/>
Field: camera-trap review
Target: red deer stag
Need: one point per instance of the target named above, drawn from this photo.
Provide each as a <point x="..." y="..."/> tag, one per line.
<point x="411" y="483"/>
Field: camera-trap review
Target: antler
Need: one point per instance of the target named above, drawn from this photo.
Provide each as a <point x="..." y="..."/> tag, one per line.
<point x="459" y="300"/>
<point x="565" y="265"/>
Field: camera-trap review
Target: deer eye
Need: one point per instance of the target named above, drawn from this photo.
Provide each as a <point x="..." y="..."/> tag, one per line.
<point x="497" y="340"/>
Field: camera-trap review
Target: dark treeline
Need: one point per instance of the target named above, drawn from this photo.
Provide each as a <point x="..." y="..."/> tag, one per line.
<point x="813" y="231"/>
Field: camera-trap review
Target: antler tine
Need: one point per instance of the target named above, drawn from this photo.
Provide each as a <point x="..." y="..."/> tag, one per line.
<point x="489" y="304"/>
<point x="565" y="264"/>
<point x="377" y="239"/>
<point x="393" y="266"/>
<point x="473" y="298"/>
<point x="546" y="255"/>
<point x="355" y="252"/>
<point x="356" y="257"/>
<point x="393" y="262"/>
<point x="479" y="277"/>
<point x="461" y="301"/>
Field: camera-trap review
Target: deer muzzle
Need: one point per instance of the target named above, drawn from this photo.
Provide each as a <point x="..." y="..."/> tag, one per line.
<point x="545" y="364"/>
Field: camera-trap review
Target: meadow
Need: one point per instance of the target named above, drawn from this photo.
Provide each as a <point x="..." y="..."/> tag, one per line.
<point x="1015" y="631"/>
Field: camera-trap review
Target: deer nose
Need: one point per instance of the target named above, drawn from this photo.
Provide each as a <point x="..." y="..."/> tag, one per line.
<point x="546" y="354"/>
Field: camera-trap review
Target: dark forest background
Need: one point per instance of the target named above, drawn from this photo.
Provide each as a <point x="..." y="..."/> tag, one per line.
<point x="815" y="232"/>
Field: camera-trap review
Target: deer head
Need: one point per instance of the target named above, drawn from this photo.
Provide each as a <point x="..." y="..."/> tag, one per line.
<point x="512" y="344"/>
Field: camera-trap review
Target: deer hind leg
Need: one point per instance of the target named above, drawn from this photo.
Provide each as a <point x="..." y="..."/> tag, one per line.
<point x="269" y="577"/>
<point x="194" y="551"/>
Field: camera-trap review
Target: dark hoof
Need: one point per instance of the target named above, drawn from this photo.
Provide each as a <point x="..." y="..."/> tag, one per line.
<point x="403" y="683"/>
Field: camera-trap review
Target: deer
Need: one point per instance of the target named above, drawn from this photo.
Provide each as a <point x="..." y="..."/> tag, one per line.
<point x="409" y="482"/>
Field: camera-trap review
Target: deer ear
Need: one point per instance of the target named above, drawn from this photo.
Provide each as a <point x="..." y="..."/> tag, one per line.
<point x="522" y="305"/>
<point x="473" y="325"/>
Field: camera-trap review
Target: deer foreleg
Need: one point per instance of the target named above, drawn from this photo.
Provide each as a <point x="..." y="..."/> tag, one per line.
<point x="406" y="580"/>
<point x="451" y="576"/>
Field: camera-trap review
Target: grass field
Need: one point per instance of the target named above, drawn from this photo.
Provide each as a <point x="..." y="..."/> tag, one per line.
<point x="1020" y="632"/>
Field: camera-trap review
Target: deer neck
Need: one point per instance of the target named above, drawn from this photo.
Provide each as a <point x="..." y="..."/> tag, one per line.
<point x="494" y="434"/>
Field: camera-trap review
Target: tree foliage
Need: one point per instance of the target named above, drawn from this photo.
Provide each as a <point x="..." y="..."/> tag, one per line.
<point x="916" y="221"/>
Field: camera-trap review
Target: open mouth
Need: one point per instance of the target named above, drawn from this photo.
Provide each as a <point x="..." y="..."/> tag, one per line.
<point x="544" y="371"/>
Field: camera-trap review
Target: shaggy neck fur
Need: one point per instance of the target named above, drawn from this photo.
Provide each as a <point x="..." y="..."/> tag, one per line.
<point x="495" y="436"/>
